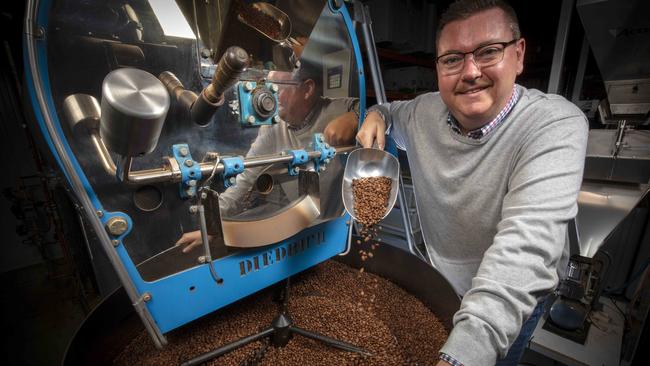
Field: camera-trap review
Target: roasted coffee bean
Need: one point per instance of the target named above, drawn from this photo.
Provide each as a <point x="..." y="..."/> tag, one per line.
<point x="257" y="18"/>
<point x="388" y="322"/>
<point x="370" y="199"/>
<point x="371" y="196"/>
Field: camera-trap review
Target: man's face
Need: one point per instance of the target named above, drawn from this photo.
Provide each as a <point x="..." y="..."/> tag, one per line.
<point x="476" y="95"/>
<point x="292" y="97"/>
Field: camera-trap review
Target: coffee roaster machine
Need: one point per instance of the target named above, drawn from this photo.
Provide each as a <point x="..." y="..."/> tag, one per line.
<point x="152" y="127"/>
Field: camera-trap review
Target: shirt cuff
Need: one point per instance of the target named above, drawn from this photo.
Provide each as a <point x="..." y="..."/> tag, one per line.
<point x="381" y="110"/>
<point x="450" y="360"/>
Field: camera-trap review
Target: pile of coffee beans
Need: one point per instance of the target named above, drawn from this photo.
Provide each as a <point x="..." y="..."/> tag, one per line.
<point x="370" y="199"/>
<point x="331" y="299"/>
<point x="371" y="196"/>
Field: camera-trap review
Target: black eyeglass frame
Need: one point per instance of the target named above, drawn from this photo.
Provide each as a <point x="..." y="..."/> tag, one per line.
<point x="504" y="44"/>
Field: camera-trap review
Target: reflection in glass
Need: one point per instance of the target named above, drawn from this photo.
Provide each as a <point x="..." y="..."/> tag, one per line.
<point x="88" y="40"/>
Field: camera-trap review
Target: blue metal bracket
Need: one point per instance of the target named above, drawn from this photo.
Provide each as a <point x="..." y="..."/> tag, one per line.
<point x="299" y="157"/>
<point x="118" y="229"/>
<point x="248" y="117"/>
<point x="231" y="167"/>
<point x="190" y="170"/>
<point x="326" y="152"/>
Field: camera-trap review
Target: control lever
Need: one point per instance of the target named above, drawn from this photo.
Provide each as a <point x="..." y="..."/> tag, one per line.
<point x="202" y="107"/>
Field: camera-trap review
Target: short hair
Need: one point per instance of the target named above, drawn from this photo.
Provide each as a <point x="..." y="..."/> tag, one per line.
<point x="463" y="9"/>
<point x="308" y="70"/>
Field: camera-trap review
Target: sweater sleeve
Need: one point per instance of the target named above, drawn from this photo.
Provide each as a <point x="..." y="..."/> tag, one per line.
<point x="397" y="116"/>
<point x="520" y="266"/>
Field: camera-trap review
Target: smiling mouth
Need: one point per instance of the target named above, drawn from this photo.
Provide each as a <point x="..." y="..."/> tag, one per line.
<point x="473" y="91"/>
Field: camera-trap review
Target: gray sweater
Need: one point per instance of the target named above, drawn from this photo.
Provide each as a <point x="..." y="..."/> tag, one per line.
<point x="494" y="211"/>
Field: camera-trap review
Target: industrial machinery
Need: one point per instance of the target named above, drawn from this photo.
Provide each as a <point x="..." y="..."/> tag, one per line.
<point x="174" y="118"/>
<point x="609" y="235"/>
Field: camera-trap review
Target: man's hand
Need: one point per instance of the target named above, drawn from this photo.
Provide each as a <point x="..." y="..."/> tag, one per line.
<point x="341" y="130"/>
<point x="190" y="240"/>
<point x="373" y="129"/>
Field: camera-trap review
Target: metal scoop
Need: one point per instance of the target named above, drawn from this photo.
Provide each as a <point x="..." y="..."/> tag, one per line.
<point x="268" y="20"/>
<point x="364" y="163"/>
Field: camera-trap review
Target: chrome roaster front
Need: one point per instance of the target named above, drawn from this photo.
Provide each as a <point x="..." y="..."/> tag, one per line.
<point x="161" y="132"/>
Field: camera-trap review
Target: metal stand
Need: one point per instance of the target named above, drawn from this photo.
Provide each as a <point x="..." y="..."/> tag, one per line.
<point x="280" y="332"/>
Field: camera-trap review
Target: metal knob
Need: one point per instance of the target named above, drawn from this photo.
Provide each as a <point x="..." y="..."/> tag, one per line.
<point x="133" y="109"/>
<point x="264" y="103"/>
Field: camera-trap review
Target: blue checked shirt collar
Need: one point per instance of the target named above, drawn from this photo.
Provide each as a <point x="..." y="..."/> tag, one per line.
<point x="481" y="132"/>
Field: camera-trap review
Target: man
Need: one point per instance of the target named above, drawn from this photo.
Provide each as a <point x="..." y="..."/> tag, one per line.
<point x="497" y="169"/>
<point x="304" y="112"/>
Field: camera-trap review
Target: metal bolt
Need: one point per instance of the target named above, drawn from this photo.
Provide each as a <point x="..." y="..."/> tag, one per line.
<point x="327" y="146"/>
<point x="189" y="162"/>
<point x="39" y="32"/>
<point x="191" y="183"/>
<point x="250" y="119"/>
<point x="100" y="213"/>
<point x="274" y="88"/>
<point x="232" y="180"/>
<point x="327" y="161"/>
<point x="295" y="170"/>
<point x="201" y="259"/>
<point x="115" y="242"/>
<point x="183" y="151"/>
<point x="248" y="86"/>
<point x="117" y="225"/>
<point x="322" y="169"/>
<point x="276" y="119"/>
<point x="189" y="192"/>
<point x="204" y="195"/>
<point x="146" y="297"/>
<point x="193" y="209"/>
<point x="320" y="138"/>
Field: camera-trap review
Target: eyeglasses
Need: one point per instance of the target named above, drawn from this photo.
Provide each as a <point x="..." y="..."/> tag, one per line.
<point x="484" y="56"/>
